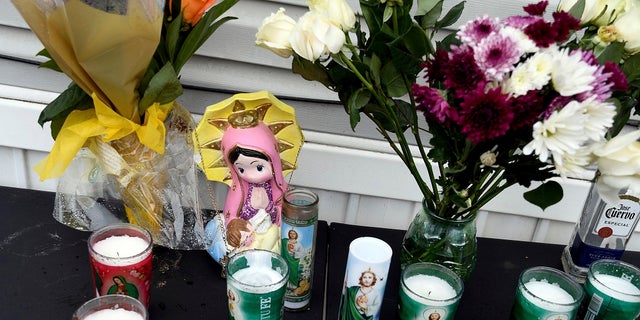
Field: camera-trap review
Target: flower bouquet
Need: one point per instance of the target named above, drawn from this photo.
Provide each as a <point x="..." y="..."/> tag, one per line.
<point x="500" y="101"/>
<point x="131" y="141"/>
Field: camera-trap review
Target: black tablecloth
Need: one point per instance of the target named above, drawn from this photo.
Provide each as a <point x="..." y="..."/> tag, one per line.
<point x="46" y="273"/>
<point x="488" y="294"/>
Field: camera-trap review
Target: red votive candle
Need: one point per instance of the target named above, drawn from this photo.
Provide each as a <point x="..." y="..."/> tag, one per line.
<point x="121" y="261"/>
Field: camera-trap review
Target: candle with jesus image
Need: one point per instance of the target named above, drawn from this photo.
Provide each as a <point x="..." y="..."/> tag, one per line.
<point x="365" y="279"/>
<point x="121" y="257"/>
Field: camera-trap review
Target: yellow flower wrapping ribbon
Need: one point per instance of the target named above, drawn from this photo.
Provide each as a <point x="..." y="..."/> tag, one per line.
<point x="101" y="121"/>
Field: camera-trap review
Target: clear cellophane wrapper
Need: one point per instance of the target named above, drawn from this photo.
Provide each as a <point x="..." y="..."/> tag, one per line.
<point x="124" y="181"/>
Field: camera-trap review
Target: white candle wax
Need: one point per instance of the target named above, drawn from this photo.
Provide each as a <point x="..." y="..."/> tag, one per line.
<point x="616" y="287"/>
<point x="257" y="279"/>
<point x="111" y="314"/>
<point x="430" y="290"/>
<point x="121" y="250"/>
<point x="548" y="296"/>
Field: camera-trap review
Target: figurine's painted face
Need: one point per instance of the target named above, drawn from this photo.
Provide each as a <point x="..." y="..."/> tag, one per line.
<point x="252" y="169"/>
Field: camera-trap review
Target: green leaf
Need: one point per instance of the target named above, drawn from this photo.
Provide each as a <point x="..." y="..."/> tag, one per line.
<point x="631" y="68"/>
<point x="310" y="71"/>
<point x="163" y="88"/>
<point x="415" y="41"/>
<point x="547" y="194"/>
<point x="428" y="12"/>
<point x="73" y="98"/>
<point x="388" y="12"/>
<point x="66" y="102"/>
<point x="202" y="31"/>
<point x="451" y="17"/>
<point x="49" y="64"/>
<point x="374" y="67"/>
<point x="392" y="81"/>
<point x="357" y="100"/>
<point x="613" y="52"/>
<point x="577" y="9"/>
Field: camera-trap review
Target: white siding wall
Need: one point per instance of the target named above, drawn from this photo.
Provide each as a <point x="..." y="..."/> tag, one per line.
<point x="357" y="176"/>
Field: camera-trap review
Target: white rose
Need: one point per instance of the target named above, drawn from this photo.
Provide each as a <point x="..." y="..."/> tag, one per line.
<point x="274" y="33"/>
<point x="619" y="165"/>
<point x="338" y="12"/>
<point x="628" y="29"/>
<point x="315" y="36"/>
<point x="593" y="10"/>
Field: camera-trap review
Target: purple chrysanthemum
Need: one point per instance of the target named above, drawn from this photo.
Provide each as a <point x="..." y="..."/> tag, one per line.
<point x="520" y="22"/>
<point x="616" y="76"/>
<point x="462" y="73"/>
<point x="542" y="33"/>
<point x="536" y="9"/>
<point x="564" y="23"/>
<point x="496" y="56"/>
<point x="527" y="109"/>
<point x="475" y="30"/>
<point x="436" y="66"/>
<point x="485" y="114"/>
<point x="601" y="86"/>
<point x="433" y="105"/>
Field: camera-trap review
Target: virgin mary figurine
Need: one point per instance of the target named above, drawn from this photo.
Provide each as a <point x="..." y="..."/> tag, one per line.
<point x="250" y="142"/>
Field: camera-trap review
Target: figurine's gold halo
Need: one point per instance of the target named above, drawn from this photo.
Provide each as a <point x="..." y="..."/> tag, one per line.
<point x="279" y="116"/>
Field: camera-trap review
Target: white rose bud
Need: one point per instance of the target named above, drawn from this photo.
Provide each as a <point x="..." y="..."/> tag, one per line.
<point x="274" y="33"/>
<point x="488" y="158"/>
<point x="337" y="11"/>
<point x="619" y="165"/>
<point x="315" y="36"/>
<point x="628" y="29"/>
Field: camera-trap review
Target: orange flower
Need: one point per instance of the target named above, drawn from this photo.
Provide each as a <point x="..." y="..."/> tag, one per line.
<point x="193" y="10"/>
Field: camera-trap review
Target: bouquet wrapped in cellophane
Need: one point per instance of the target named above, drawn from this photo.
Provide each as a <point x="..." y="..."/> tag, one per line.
<point x="123" y="148"/>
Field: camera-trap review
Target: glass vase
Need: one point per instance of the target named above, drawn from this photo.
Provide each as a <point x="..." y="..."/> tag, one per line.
<point x="451" y="243"/>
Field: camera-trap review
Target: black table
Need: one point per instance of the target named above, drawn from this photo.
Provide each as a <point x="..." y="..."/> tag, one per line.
<point x="488" y="294"/>
<point x="46" y="273"/>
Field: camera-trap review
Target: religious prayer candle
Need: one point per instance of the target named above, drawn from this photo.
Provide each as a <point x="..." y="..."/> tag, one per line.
<point x="365" y="279"/>
<point x="429" y="291"/>
<point x="613" y="290"/>
<point x="121" y="257"/>
<point x="110" y="307"/>
<point x="546" y="293"/>
<point x="256" y="283"/>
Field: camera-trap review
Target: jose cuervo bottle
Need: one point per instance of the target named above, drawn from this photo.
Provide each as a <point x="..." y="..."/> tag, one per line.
<point x="602" y="232"/>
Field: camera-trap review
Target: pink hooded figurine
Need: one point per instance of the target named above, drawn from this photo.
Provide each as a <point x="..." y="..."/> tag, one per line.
<point x="248" y="141"/>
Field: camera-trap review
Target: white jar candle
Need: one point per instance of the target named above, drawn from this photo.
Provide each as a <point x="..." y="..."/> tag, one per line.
<point x="121" y="250"/>
<point x="541" y="293"/>
<point x="430" y="289"/>
<point x="616" y="287"/>
<point x="111" y="314"/>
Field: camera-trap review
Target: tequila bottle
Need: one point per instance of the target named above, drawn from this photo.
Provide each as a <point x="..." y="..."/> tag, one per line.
<point x="602" y="232"/>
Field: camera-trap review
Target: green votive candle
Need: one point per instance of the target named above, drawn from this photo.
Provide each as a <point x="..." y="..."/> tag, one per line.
<point x="429" y="291"/>
<point x="546" y="293"/>
<point x="613" y="291"/>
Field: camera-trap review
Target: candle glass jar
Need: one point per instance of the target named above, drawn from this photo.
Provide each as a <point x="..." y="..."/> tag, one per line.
<point x="113" y="306"/>
<point x="121" y="256"/>
<point x="613" y="291"/>
<point x="429" y="291"/>
<point x="546" y="293"/>
<point x="299" y="228"/>
<point x="256" y="282"/>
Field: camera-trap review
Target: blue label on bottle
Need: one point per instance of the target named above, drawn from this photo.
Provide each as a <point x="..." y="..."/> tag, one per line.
<point x="583" y="254"/>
